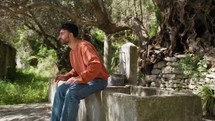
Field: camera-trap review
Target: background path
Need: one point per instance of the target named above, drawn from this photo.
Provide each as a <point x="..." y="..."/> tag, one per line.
<point x="25" y="112"/>
<point x="35" y="112"/>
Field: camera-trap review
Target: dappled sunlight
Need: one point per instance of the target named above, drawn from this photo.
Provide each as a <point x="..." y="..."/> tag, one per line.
<point x="26" y="112"/>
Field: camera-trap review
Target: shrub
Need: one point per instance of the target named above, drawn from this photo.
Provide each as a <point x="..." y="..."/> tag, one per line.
<point x="193" y="66"/>
<point x="207" y="96"/>
<point x="27" y="88"/>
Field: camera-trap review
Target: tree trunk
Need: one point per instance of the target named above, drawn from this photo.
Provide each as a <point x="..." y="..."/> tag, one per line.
<point x="185" y="26"/>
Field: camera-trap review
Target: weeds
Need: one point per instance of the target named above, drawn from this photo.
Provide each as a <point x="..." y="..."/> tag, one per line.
<point x="208" y="98"/>
<point x="193" y="66"/>
<point x="27" y="88"/>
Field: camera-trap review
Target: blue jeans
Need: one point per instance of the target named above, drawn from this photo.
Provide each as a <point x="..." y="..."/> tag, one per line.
<point x="67" y="99"/>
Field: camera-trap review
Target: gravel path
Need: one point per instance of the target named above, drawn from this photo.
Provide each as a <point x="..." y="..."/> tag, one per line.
<point x="35" y="112"/>
<point x="25" y="112"/>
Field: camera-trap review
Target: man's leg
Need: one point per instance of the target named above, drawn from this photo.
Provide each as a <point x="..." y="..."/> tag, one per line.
<point x="77" y="92"/>
<point x="58" y="102"/>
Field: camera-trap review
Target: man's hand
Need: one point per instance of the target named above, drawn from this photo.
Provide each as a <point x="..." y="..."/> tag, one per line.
<point x="71" y="80"/>
<point x="60" y="78"/>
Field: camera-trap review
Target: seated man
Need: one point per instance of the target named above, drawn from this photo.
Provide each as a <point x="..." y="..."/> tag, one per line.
<point x="87" y="76"/>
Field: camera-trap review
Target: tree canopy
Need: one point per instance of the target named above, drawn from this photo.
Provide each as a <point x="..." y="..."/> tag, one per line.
<point x="170" y="26"/>
<point x="43" y="17"/>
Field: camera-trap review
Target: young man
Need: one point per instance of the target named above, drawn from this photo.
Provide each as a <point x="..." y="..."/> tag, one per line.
<point x="87" y="76"/>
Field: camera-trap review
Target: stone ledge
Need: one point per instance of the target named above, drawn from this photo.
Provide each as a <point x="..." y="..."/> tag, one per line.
<point x="108" y="105"/>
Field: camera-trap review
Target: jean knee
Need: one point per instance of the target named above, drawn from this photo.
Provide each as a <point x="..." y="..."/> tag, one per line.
<point x="62" y="89"/>
<point x="72" y="95"/>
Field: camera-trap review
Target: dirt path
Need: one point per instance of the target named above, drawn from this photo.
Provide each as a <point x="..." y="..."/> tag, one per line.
<point x="34" y="112"/>
<point x="25" y="112"/>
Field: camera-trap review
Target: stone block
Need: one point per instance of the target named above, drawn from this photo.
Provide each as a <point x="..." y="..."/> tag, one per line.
<point x="150" y="78"/>
<point x="92" y="108"/>
<point x="174" y="64"/>
<point x="143" y="91"/>
<point x="116" y="80"/>
<point x="170" y="59"/>
<point x="171" y="108"/>
<point x="169" y="76"/>
<point x="118" y="89"/>
<point x="128" y="62"/>
<point x="180" y="56"/>
<point x="181" y="76"/>
<point x="160" y="64"/>
<point x="175" y="81"/>
<point x="156" y="71"/>
<point x="211" y="76"/>
<point x="155" y="84"/>
<point x="141" y="104"/>
<point x="171" y="70"/>
<point x="177" y="107"/>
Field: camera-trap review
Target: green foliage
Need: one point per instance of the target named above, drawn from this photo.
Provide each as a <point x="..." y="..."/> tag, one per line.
<point x="97" y="37"/>
<point x="208" y="98"/>
<point x="31" y="81"/>
<point x="46" y="63"/>
<point x="153" y="29"/>
<point x="153" y="20"/>
<point x="98" y="34"/>
<point x="38" y="59"/>
<point x="27" y="88"/>
<point x="115" y="59"/>
<point x="193" y="65"/>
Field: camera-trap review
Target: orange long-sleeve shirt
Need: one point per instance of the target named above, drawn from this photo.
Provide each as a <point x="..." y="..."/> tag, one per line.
<point x="86" y="63"/>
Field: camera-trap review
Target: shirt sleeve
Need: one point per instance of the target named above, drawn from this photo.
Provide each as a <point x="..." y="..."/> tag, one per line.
<point x="70" y="74"/>
<point x="93" y="65"/>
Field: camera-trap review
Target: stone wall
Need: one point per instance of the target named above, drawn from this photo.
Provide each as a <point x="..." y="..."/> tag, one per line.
<point x="166" y="75"/>
<point x="7" y="60"/>
<point x="137" y="103"/>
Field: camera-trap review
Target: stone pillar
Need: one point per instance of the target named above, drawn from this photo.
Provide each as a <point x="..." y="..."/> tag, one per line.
<point x="128" y="62"/>
<point x="107" y="51"/>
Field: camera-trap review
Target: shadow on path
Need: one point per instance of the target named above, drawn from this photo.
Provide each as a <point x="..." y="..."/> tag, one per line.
<point x="36" y="112"/>
<point x="25" y="112"/>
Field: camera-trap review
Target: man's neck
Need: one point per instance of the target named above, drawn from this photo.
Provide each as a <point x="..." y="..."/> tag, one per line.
<point x="73" y="43"/>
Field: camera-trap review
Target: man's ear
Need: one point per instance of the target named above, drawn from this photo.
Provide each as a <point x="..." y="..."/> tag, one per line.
<point x="71" y="34"/>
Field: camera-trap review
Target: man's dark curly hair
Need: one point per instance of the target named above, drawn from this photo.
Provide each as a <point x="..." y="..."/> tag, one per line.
<point x="70" y="27"/>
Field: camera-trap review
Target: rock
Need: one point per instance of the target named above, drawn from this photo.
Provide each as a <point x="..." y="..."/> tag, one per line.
<point x="116" y="80"/>
<point x="156" y="71"/>
<point x="171" y="59"/>
<point x="150" y="78"/>
<point x="174" y="64"/>
<point x="211" y="76"/>
<point x="170" y="70"/>
<point x="160" y="65"/>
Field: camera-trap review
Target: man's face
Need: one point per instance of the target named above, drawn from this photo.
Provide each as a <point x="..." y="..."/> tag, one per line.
<point x="64" y="36"/>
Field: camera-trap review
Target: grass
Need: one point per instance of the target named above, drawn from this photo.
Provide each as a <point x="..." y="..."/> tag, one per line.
<point x="28" y="87"/>
<point x="208" y="98"/>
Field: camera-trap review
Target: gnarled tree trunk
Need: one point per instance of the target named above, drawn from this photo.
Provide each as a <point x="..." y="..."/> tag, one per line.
<point x="185" y="26"/>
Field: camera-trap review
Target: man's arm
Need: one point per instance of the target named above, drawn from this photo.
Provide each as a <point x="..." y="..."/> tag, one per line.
<point x="65" y="77"/>
<point x="70" y="74"/>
